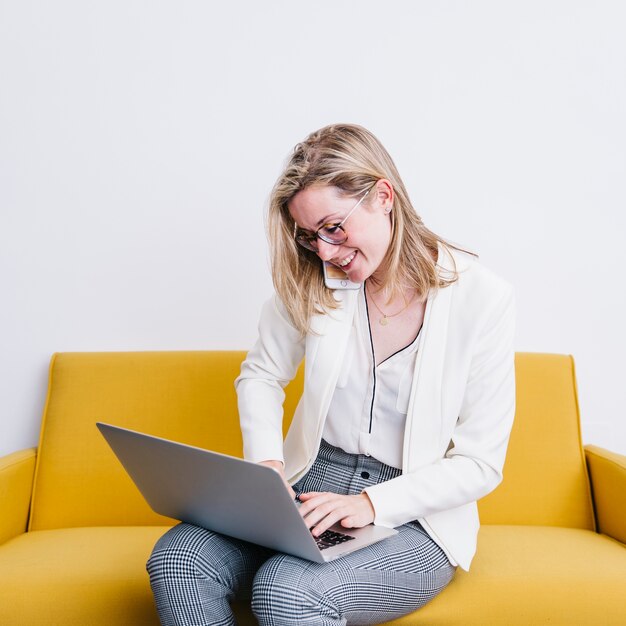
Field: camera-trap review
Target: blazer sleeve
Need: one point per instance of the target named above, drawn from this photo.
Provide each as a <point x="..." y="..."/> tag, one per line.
<point x="271" y="363"/>
<point x="472" y="467"/>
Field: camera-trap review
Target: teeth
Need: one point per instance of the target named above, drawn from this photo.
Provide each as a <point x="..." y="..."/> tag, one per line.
<point x="346" y="261"/>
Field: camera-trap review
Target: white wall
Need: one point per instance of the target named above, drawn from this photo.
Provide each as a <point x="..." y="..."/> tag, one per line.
<point x="139" y="141"/>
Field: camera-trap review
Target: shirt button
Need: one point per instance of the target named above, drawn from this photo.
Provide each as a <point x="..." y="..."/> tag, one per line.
<point x="365" y="475"/>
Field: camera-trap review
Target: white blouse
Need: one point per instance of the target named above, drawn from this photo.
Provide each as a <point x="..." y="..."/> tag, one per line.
<point x="368" y="409"/>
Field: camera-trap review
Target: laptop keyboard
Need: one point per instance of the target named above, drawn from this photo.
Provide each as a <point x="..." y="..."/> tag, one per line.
<point x="330" y="538"/>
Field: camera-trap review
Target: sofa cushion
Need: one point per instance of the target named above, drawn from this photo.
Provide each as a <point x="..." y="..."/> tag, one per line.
<point x="521" y="575"/>
<point x="78" y="577"/>
<point x="177" y="395"/>
<point x="545" y="479"/>
<point x="525" y="575"/>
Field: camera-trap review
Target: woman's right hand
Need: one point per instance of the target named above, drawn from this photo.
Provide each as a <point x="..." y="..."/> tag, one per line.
<point x="280" y="468"/>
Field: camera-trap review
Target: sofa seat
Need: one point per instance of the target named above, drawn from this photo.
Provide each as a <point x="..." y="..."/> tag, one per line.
<point x="530" y="575"/>
<point x="521" y="575"/>
<point x="90" y="576"/>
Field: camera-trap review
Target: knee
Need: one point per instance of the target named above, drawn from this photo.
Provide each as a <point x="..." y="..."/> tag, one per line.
<point x="180" y="553"/>
<point x="172" y="555"/>
<point x="288" y="590"/>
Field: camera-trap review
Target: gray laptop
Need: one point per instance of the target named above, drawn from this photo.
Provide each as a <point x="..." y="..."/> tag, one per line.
<point x="228" y="495"/>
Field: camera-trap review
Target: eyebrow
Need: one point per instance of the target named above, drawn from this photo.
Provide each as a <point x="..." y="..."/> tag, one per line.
<point x="323" y="221"/>
<point x="326" y="220"/>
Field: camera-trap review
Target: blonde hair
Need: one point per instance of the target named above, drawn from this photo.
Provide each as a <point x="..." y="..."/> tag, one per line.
<point x="350" y="158"/>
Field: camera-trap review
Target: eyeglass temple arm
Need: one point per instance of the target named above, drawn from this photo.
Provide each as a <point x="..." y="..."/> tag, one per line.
<point x="355" y="207"/>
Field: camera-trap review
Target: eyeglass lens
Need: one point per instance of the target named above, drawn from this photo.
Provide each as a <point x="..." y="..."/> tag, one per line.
<point x="330" y="233"/>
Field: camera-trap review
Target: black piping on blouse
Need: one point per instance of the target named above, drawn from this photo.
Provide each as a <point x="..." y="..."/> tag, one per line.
<point x="369" y="328"/>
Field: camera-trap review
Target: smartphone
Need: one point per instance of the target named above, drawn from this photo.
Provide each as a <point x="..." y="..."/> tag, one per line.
<point x="335" y="278"/>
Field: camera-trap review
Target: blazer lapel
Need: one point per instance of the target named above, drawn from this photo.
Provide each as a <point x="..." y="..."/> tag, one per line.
<point x="423" y="424"/>
<point x="325" y="353"/>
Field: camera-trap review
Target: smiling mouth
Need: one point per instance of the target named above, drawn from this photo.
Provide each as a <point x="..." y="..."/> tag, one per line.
<point x="345" y="262"/>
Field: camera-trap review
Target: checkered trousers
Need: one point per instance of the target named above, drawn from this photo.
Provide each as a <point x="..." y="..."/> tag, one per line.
<point x="195" y="573"/>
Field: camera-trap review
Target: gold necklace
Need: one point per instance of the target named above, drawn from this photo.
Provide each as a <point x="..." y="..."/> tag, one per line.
<point x="384" y="320"/>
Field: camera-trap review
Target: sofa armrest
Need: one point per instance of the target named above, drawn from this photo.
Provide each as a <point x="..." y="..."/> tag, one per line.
<point x="607" y="471"/>
<point x="16" y="484"/>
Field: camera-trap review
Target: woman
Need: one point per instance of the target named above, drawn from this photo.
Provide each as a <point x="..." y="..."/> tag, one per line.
<point x="408" y="402"/>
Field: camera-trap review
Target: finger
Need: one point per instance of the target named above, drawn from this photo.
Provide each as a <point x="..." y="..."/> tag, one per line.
<point x="316" y="509"/>
<point x="350" y="514"/>
<point x="310" y="501"/>
<point x="327" y="514"/>
<point x="325" y="523"/>
<point x="310" y="494"/>
<point x="315" y="515"/>
<point x="352" y="521"/>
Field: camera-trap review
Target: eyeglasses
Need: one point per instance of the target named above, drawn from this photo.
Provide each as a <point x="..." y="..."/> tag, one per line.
<point x="333" y="233"/>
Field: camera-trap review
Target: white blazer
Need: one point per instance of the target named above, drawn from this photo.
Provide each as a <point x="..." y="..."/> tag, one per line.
<point x="460" y="412"/>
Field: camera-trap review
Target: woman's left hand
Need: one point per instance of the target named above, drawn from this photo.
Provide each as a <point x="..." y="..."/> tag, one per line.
<point x="321" y="510"/>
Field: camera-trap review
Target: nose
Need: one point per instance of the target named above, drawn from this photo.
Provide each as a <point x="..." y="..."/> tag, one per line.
<point x="325" y="251"/>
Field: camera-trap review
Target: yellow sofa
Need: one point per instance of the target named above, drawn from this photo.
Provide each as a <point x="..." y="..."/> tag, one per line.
<point x="75" y="533"/>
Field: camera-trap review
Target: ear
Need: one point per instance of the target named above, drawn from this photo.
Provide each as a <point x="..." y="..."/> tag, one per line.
<point x="383" y="195"/>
